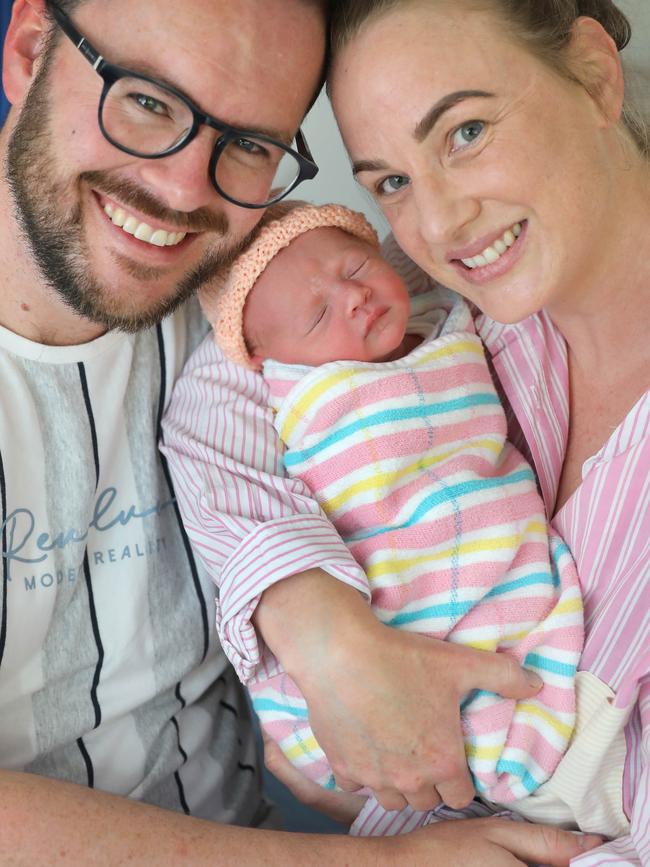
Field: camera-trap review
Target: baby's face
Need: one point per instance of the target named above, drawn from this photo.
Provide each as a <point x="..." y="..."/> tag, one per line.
<point x="328" y="296"/>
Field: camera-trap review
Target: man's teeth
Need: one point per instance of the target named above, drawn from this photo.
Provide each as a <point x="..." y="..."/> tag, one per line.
<point x="496" y="249"/>
<point x="142" y="231"/>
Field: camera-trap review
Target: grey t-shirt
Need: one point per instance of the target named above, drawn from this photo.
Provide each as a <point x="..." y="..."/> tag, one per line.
<point x="111" y="674"/>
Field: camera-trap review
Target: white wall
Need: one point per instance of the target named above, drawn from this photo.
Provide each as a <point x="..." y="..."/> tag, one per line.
<point x="636" y="57"/>
<point x="334" y="182"/>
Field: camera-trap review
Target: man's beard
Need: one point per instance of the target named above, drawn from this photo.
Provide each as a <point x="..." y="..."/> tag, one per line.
<point x="56" y="238"/>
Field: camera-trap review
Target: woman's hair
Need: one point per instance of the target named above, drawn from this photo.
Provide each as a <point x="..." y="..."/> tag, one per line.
<point x="545" y="26"/>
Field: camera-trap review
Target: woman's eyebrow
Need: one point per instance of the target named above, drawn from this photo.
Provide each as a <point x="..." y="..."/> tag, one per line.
<point x="368" y="166"/>
<point x="431" y="118"/>
<point x="424" y="126"/>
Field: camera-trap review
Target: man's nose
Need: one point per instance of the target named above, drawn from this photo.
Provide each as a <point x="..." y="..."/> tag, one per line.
<point x="181" y="180"/>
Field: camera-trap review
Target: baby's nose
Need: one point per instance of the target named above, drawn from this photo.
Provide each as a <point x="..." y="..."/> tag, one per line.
<point x="355" y="295"/>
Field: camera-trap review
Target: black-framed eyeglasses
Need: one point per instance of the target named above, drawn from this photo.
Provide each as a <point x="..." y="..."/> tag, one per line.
<point x="147" y="118"/>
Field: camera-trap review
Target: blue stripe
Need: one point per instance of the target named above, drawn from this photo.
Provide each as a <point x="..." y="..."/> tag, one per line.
<point x="516" y="769"/>
<point x="534" y="660"/>
<point x="390" y="416"/>
<point x="450" y="609"/>
<point x="475" y="694"/>
<point x="561" y="549"/>
<point x="518" y="583"/>
<point x="266" y="704"/>
<point x="444" y="495"/>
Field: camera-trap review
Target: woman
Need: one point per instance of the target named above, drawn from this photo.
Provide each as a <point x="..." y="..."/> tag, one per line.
<point x="561" y="165"/>
<point x="495" y="138"/>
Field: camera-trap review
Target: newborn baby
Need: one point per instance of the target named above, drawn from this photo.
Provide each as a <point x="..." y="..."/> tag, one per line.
<point x="388" y="412"/>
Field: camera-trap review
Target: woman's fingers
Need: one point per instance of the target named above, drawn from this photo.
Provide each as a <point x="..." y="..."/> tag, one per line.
<point x="340" y="806"/>
<point x="542" y="844"/>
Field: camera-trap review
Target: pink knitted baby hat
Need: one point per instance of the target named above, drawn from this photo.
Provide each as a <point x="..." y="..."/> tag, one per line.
<point x="223" y="302"/>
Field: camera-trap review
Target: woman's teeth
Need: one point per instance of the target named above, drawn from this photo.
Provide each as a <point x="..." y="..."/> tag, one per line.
<point x="142" y="231"/>
<point x="496" y="249"/>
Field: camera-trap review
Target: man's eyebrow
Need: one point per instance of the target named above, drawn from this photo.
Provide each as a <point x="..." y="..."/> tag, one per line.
<point x="431" y="118"/>
<point x="144" y="68"/>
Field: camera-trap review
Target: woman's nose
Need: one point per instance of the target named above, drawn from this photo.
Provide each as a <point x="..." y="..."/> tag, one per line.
<point x="443" y="211"/>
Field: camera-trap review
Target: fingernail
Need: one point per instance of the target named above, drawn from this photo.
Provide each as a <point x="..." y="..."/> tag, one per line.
<point x="533" y="679"/>
<point x="589" y="841"/>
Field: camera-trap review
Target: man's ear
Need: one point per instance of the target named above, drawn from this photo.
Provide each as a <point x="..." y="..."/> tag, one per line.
<point x="595" y="61"/>
<point x="23" y="45"/>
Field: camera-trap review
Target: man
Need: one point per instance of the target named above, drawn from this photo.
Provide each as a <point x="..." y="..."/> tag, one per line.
<point x="128" y="179"/>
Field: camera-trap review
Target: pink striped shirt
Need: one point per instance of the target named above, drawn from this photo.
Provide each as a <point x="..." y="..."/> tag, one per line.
<point x="253" y="527"/>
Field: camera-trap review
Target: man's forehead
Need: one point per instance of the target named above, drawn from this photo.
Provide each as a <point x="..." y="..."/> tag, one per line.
<point x="226" y="56"/>
<point x="243" y="22"/>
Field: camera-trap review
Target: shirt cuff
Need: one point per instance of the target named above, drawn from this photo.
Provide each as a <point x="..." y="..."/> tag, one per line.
<point x="273" y="551"/>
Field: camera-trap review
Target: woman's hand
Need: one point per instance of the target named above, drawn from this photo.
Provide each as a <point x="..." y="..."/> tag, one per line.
<point x="491" y="843"/>
<point x="488" y="842"/>
<point x="343" y="807"/>
<point x="383" y="703"/>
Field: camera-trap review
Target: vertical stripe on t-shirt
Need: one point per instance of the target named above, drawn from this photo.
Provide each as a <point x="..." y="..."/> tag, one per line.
<point x="89" y="586"/>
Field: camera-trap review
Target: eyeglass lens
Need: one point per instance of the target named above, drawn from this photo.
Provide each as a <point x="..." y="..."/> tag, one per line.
<point x="150" y="120"/>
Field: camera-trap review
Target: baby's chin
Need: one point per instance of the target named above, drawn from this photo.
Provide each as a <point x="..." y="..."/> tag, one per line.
<point x="407" y="345"/>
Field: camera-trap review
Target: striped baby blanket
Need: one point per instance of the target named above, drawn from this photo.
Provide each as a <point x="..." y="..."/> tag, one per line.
<point x="409" y="460"/>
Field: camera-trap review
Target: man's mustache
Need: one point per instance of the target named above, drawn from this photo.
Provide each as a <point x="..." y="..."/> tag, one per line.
<point x="201" y="220"/>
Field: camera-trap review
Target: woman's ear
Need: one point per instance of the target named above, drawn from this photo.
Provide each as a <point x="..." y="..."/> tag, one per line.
<point x="23" y="45"/>
<point x="596" y="63"/>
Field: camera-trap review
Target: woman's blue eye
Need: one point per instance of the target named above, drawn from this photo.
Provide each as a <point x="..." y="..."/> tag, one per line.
<point x="392" y="184"/>
<point x="467" y="134"/>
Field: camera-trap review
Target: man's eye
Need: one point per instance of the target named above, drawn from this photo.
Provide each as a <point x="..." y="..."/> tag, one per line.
<point x="150" y="104"/>
<point x="467" y="134"/>
<point x="391" y="185"/>
<point x="251" y="147"/>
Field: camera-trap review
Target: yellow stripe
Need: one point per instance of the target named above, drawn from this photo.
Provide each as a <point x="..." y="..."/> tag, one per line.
<point x="569" y="606"/>
<point x="389" y="479"/>
<point x="492" y="643"/>
<point x="305" y="747"/>
<point x="494" y="753"/>
<point x="298" y="410"/>
<point x="450" y="349"/>
<point x="485" y="753"/>
<point x="395" y="565"/>
<point x="534" y="710"/>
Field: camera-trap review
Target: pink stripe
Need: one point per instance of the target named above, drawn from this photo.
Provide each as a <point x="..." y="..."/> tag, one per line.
<point x="470" y="376"/>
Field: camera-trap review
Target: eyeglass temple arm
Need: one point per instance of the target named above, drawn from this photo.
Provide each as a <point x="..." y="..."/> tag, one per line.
<point x="91" y="54"/>
<point x="303" y="147"/>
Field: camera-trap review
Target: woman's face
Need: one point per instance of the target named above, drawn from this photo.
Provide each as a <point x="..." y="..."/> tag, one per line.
<point x="493" y="171"/>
